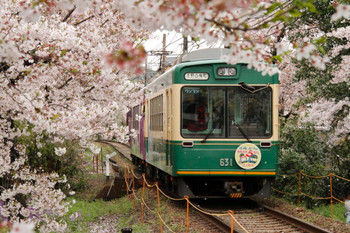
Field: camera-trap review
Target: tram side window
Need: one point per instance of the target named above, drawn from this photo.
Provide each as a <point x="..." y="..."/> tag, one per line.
<point x="156" y="113"/>
<point x="135" y="114"/>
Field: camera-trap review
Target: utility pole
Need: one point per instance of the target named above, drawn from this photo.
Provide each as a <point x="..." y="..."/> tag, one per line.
<point x="163" y="53"/>
<point x="145" y="78"/>
<point x="185" y="46"/>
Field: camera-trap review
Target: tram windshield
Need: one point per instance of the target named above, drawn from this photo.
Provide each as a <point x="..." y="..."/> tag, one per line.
<point x="226" y="112"/>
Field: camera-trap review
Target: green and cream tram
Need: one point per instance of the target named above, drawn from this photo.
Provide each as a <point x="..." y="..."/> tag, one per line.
<point x="208" y="129"/>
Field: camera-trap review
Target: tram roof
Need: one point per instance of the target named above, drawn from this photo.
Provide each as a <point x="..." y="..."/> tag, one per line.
<point x="206" y="54"/>
<point x="207" y="59"/>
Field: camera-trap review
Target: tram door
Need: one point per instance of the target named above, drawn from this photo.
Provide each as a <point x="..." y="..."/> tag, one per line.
<point x="168" y="125"/>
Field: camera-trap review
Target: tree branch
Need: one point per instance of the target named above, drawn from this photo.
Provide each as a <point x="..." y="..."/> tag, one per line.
<point x="86" y="19"/>
<point x="69" y="14"/>
<point x="88" y="90"/>
<point x="65" y="83"/>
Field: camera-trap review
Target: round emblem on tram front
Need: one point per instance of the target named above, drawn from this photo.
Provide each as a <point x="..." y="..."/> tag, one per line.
<point x="248" y="156"/>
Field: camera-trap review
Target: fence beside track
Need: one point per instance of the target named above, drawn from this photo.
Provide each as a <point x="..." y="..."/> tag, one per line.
<point x="157" y="212"/>
<point x="300" y="193"/>
<point x="130" y="180"/>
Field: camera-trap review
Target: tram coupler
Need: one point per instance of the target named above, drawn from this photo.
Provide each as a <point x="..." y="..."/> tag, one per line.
<point x="234" y="189"/>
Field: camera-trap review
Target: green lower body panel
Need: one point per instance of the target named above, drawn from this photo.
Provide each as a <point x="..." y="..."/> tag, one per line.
<point x="216" y="168"/>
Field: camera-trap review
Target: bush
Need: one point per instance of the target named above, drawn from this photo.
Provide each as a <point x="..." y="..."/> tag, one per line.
<point x="42" y="158"/>
<point x="303" y="149"/>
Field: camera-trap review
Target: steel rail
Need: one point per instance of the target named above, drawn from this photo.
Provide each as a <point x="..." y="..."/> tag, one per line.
<point x="221" y="225"/>
<point x="301" y="224"/>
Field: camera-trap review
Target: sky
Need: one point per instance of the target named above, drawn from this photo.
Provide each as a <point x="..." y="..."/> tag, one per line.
<point x="174" y="45"/>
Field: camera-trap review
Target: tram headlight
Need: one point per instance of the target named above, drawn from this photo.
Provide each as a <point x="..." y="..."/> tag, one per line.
<point x="226" y="71"/>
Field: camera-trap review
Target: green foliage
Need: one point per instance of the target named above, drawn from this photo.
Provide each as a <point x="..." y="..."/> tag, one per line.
<point x="338" y="211"/>
<point x="85" y="212"/>
<point x="90" y="210"/>
<point x="318" y="81"/>
<point x="42" y="158"/>
<point x="305" y="142"/>
<point x="303" y="149"/>
<point x="287" y="12"/>
<point x="341" y="167"/>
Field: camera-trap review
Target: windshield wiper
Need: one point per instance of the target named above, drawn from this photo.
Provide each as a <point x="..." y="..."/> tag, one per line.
<point x="252" y="89"/>
<point x="207" y="136"/>
<point x="241" y="130"/>
<point x="210" y="132"/>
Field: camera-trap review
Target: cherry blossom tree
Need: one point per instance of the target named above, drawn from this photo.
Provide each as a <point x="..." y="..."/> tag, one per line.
<point x="314" y="97"/>
<point x="325" y="90"/>
<point x="56" y="80"/>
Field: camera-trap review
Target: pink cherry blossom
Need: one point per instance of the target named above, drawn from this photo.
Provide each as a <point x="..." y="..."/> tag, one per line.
<point x="305" y="51"/>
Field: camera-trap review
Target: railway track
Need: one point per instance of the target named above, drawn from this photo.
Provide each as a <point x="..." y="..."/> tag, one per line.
<point x="256" y="219"/>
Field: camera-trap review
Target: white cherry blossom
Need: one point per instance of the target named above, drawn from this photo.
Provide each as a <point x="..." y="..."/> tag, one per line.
<point x="22" y="227"/>
<point x="60" y="151"/>
<point x="342" y="11"/>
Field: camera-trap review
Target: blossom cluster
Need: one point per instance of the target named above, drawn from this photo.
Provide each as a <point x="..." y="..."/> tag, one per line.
<point x="343" y="11"/>
<point x="128" y="58"/>
<point x="40" y="203"/>
<point x="322" y="113"/>
<point x="243" y="26"/>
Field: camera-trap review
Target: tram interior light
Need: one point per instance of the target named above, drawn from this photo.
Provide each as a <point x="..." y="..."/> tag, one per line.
<point x="226" y="71"/>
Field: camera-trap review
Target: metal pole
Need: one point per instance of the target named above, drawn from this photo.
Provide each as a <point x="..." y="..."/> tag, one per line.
<point x="164" y="52"/>
<point x="187" y="213"/>
<point x="299" y="187"/>
<point x="146" y="73"/>
<point x="331" y="192"/>
<point x="347" y="207"/>
<point x="185" y="46"/>
<point x="107" y="167"/>
<point x="232" y="220"/>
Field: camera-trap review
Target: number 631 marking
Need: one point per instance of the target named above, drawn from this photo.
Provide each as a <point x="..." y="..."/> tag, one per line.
<point x="225" y="162"/>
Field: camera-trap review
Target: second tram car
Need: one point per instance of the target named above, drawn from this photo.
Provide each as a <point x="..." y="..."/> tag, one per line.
<point x="208" y="129"/>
